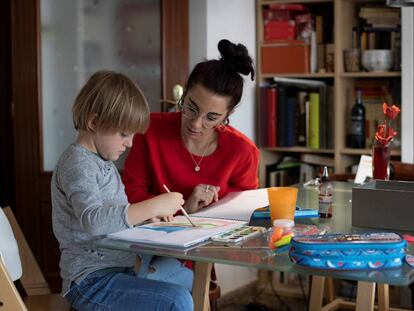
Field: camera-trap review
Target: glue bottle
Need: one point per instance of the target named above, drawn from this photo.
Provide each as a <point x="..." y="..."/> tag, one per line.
<point x="325" y="195"/>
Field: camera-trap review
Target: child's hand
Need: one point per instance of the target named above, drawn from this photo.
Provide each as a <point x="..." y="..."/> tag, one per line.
<point x="168" y="218"/>
<point x="158" y="219"/>
<point x="162" y="207"/>
<point x="167" y="204"/>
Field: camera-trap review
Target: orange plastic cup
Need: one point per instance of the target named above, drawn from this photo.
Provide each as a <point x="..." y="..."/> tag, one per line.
<point x="282" y="202"/>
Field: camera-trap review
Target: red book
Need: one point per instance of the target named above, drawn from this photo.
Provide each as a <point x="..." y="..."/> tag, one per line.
<point x="280" y="24"/>
<point x="278" y="15"/>
<point x="290" y="7"/>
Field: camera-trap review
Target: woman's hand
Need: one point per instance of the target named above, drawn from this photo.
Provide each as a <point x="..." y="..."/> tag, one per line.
<point x="201" y="196"/>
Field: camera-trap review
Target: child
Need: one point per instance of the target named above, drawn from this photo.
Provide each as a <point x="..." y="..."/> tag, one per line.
<point x="89" y="201"/>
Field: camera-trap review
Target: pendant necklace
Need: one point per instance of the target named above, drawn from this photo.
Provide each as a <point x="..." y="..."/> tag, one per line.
<point x="197" y="167"/>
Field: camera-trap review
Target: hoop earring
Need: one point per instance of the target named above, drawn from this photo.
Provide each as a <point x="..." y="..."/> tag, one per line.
<point x="180" y="103"/>
<point x="222" y="126"/>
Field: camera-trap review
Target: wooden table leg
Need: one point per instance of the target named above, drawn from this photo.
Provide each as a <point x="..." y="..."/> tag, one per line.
<point x="330" y="289"/>
<point x="365" y="296"/>
<point x="201" y="285"/>
<point x="383" y="297"/>
<point x="316" y="294"/>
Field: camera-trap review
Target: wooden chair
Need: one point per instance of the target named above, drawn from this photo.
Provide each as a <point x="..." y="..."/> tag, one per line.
<point x="39" y="296"/>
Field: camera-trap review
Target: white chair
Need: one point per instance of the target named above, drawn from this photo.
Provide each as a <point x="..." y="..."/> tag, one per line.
<point x="10" y="267"/>
<point x="17" y="262"/>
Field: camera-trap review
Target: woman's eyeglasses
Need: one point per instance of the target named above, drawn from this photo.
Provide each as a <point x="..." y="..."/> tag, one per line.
<point x="191" y="112"/>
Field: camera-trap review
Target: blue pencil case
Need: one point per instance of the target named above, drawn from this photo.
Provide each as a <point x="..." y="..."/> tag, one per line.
<point x="351" y="251"/>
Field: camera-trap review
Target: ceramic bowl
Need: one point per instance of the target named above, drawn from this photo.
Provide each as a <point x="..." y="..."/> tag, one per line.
<point x="377" y="60"/>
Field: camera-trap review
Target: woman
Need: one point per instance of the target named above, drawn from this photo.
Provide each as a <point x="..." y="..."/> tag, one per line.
<point x="195" y="151"/>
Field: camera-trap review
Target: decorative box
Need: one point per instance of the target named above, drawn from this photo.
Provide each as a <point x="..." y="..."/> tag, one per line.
<point x="384" y="205"/>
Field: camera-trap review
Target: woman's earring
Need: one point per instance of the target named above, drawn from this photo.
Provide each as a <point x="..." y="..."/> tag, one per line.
<point x="222" y="126"/>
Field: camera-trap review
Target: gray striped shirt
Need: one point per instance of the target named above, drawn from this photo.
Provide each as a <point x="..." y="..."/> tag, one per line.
<point x="89" y="201"/>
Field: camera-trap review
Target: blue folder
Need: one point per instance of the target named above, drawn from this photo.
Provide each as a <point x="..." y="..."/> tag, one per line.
<point x="264" y="213"/>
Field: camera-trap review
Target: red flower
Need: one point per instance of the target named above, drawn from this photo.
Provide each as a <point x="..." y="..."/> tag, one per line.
<point x="391" y="112"/>
<point x="385" y="133"/>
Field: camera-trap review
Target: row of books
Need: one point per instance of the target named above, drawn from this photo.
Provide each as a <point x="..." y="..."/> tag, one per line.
<point x="296" y="112"/>
<point x="371" y="39"/>
<point x="290" y="170"/>
<point x="379" y="28"/>
<point x="380" y="17"/>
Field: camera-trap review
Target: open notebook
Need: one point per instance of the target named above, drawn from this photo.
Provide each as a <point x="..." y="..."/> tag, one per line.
<point x="178" y="233"/>
<point x="238" y="205"/>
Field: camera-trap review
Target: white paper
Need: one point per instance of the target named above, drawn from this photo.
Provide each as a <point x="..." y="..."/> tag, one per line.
<point x="179" y="233"/>
<point x="364" y="169"/>
<point x="238" y="205"/>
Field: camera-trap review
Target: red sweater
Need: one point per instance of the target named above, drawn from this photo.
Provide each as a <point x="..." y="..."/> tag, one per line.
<point x="160" y="157"/>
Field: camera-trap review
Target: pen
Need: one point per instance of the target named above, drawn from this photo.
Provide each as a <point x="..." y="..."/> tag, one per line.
<point x="182" y="209"/>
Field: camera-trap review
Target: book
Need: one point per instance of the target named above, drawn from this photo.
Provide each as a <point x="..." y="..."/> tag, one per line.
<point x="281" y="115"/>
<point x="271" y="102"/>
<point x="283" y="173"/>
<point x="313" y="125"/>
<point x="291" y="126"/>
<point x="302" y="99"/>
<point x="178" y="233"/>
<point x="267" y="116"/>
<point x="263" y="117"/>
<point x="311" y="114"/>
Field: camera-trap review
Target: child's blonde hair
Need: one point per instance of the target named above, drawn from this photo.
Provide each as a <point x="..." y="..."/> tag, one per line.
<point x="116" y="103"/>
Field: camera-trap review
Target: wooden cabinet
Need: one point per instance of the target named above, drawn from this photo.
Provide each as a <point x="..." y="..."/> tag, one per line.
<point x="343" y="19"/>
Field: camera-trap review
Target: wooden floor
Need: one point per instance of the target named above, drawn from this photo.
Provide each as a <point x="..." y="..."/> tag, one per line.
<point x="264" y="299"/>
<point x="267" y="300"/>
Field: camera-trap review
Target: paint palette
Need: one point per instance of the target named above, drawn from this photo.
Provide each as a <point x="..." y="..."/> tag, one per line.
<point x="239" y="234"/>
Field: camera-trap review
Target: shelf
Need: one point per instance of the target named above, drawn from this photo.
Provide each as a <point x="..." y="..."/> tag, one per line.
<point x="298" y="150"/>
<point x="266" y="2"/>
<point x="352" y="151"/>
<point x="299" y="75"/>
<point x="339" y="14"/>
<point x="362" y="74"/>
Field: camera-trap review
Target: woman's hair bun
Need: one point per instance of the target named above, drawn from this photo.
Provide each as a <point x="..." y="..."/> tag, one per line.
<point x="236" y="56"/>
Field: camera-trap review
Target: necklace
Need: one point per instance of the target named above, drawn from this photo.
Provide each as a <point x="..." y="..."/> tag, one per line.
<point x="197" y="167"/>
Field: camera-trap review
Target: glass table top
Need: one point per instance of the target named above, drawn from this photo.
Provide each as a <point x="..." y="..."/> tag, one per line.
<point x="255" y="253"/>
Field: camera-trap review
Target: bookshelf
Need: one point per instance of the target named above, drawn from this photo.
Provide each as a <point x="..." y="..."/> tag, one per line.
<point x="344" y="17"/>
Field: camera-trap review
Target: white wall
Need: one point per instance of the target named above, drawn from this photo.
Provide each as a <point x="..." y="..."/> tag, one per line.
<point x="211" y="21"/>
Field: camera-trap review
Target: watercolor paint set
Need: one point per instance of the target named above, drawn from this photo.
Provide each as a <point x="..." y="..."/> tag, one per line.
<point x="238" y="235"/>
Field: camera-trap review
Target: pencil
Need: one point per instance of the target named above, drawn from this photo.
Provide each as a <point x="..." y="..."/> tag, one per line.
<point x="182" y="209"/>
